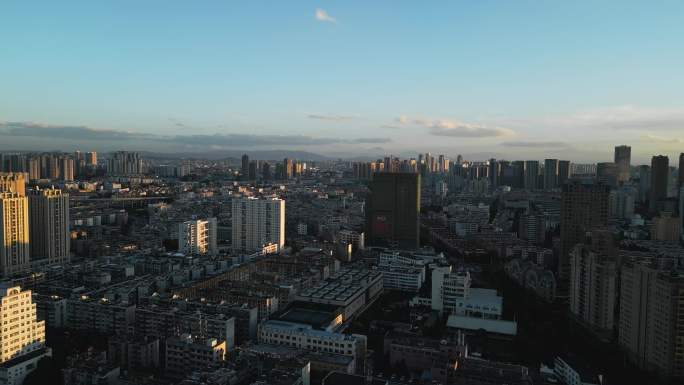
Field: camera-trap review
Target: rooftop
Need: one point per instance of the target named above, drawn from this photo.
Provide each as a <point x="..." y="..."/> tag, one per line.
<point x="337" y="378"/>
<point x="490" y="325"/>
<point x="303" y="328"/>
<point x="319" y="317"/>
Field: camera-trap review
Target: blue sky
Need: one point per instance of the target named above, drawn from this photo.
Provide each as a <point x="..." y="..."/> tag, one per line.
<point x="513" y="79"/>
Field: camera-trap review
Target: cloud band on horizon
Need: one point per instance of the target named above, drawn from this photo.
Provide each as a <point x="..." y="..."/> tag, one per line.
<point x="66" y="132"/>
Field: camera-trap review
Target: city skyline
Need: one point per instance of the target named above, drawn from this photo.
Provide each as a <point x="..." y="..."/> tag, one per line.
<point x="514" y="81"/>
<point x="393" y="192"/>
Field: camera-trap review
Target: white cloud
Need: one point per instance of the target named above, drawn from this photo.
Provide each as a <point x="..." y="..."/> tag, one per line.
<point x="331" y="117"/>
<point x="530" y="144"/>
<point x="399" y="122"/>
<point x="661" y="139"/>
<point x="403" y="119"/>
<point x="10" y="131"/>
<point x="450" y="128"/>
<point x="627" y="117"/>
<point x="322" y="15"/>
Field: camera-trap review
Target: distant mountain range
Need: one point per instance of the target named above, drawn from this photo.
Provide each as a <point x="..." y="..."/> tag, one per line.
<point x="253" y="154"/>
<point x="279" y="155"/>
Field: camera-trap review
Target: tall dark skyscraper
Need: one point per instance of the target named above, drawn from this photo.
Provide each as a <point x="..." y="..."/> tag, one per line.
<point x="563" y="171"/>
<point x="660" y="169"/>
<point x="393" y="210"/>
<point x="266" y="171"/>
<point x="245" y="166"/>
<point x="584" y="206"/>
<point x="493" y="173"/>
<point x="623" y="159"/>
<point x="518" y="172"/>
<point x="531" y="174"/>
<point x="681" y="170"/>
<point x="550" y="174"/>
<point x="253" y="169"/>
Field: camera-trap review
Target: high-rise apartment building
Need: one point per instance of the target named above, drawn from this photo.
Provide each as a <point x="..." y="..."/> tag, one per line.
<point x="253" y="170"/>
<point x="244" y="170"/>
<point x="606" y="173"/>
<point x="593" y="285"/>
<point x="287" y="169"/>
<point x="14" y="234"/>
<point x="393" y="210"/>
<point x="621" y="202"/>
<point x="266" y="171"/>
<point x="563" y="172"/>
<point x="49" y="166"/>
<point x="22" y="333"/>
<point x="22" y="336"/>
<point x="550" y="174"/>
<point x="532" y="226"/>
<point x="13" y="182"/>
<point x="442" y="164"/>
<point x="680" y="180"/>
<point x="493" y="173"/>
<point x="198" y="237"/>
<point x="34" y="168"/>
<point x="584" y="206"/>
<point x="666" y="227"/>
<point x="79" y="162"/>
<point x="55" y="166"/>
<point x="681" y="211"/>
<point x="651" y="311"/>
<point x="583" y="170"/>
<point x="299" y="169"/>
<point x="517" y="174"/>
<point x="66" y="168"/>
<point x="125" y="163"/>
<point x="623" y="159"/>
<point x="258" y="222"/>
<point x="91" y="159"/>
<point x="659" y="174"/>
<point x="364" y="170"/>
<point x="644" y="172"/>
<point x="531" y="174"/>
<point x="49" y="225"/>
<point x="13" y="163"/>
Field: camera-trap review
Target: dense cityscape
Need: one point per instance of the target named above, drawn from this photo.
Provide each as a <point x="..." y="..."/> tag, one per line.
<point x="341" y="192"/>
<point x="121" y="268"/>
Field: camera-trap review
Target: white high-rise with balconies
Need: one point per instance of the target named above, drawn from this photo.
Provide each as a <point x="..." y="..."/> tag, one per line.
<point x="198" y="237"/>
<point x="22" y="337"/>
<point x="258" y="222"/>
<point x="21" y="332"/>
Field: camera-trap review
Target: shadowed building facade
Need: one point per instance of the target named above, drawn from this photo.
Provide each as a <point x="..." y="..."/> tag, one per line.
<point x="393" y="210"/>
<point x="660" y="166"/>
<point x="49" y="225"/>
<point x="14" y="234"/>
<point x="584" y="206"/>
<point x="623" y="160"/>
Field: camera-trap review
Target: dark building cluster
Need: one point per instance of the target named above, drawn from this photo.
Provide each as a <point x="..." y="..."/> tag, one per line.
<point x="135" y="269"/>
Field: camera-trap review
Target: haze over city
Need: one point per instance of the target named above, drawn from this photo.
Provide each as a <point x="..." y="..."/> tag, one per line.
<point x="345" y="78"/>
